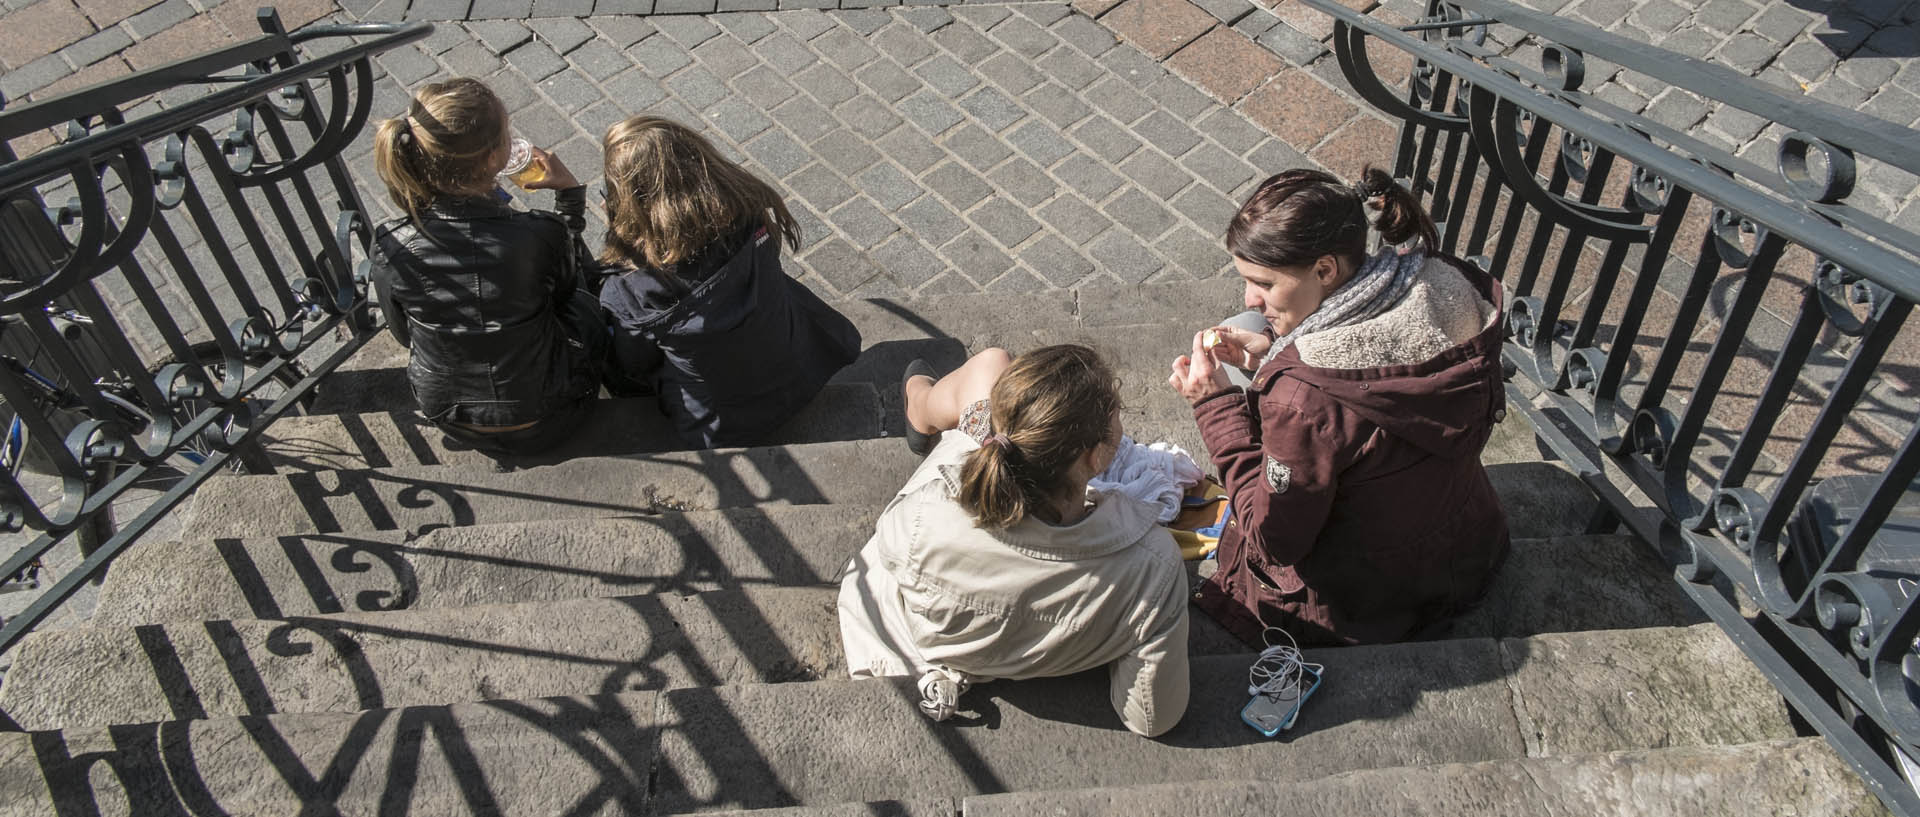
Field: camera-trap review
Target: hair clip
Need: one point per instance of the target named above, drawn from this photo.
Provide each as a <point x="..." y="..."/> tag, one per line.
<point x="1373" y="191"/>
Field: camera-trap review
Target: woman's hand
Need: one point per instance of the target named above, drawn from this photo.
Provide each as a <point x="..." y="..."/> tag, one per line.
<point x="558" y="177"/>
<point x="1239" y="347"/>
<point x="1197" y="376"/>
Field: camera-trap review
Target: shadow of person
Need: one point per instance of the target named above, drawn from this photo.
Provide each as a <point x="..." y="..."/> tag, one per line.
<point x="1850" y="24"/>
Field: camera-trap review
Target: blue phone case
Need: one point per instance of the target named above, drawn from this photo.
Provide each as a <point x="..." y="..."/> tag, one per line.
<point x="1272" y="714"/>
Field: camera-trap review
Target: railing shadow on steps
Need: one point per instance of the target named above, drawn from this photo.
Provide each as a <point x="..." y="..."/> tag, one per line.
<point x="717" y="759"/>
<point x="159" y="765"/>
<point x="1715" y="343"/>
<point x="198" y="204"/>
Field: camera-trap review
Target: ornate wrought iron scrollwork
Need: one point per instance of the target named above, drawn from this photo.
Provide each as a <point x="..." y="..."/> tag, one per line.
<point x="1576" y="155"/>
<point x="1522" y="317"/>
<point x="1565" y="67"/>
<point x="1583" y="367"/>
<point x="1735" y="513"/>
<point x="1489" y="116"/>
<point x="1735" y="237"/>
<point x="171" y="174"/>
<point x="1651" y="435"/>
<point x="1649" y="192"/>
<point x="1853" y="608"/>
<point x="100" y="243"/>
<point x="1828" y="186"/>
<point x="1891" y="654"/>
<point x="1839" y="290"/>
<point x="1350" y="49"/>
<point x="1698" y="565"/>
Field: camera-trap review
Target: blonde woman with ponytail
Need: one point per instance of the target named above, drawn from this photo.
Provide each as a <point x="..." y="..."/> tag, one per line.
<point x="1346" y="412"/>
<point x="505" y="342"/>
<point x="995" y="561"/>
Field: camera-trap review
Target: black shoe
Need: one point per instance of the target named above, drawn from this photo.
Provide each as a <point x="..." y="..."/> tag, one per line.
<point x="917" y="441"/>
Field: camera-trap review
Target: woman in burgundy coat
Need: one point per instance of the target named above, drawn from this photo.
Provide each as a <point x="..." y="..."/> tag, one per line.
<point x="1361" y="512"/>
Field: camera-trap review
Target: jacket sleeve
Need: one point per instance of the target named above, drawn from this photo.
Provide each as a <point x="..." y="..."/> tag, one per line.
<point x="382" y="274"/>
<point x="571" y="204"/>
<point x="1149" y="686"/>
<point x="1280" y="514"/>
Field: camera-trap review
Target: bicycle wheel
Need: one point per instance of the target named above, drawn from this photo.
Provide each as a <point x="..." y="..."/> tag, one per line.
<point x="250" y="458"/>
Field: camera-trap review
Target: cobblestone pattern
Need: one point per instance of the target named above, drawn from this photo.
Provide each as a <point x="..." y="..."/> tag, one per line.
<point x="50" y="47"/>
<point x="1858" y="55"/>
<point x="1005" y="148"/>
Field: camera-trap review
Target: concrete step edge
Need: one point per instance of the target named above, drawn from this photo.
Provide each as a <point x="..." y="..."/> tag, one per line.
<point x="824" y="742"/>
<point x="857" y="471"/>
<point x="541" y="648"/>
<point x="1801" y="776"/>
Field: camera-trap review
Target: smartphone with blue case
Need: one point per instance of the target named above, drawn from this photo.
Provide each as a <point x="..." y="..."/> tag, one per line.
<point x="1271" y="713"/>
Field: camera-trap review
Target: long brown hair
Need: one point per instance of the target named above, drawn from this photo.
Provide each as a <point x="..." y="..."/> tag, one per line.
<point x="1296" y="216"/>
<point x="669" y="193"/>
<point x="440" y="147"/>
<point x="1053" y="405"/>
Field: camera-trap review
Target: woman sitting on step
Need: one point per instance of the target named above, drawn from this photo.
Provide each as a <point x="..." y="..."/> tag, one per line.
<point x="1346" y="413"/>
<point x="995" y="561"/>
<point x="505" y="344"/>
<point x="703" y="315"/>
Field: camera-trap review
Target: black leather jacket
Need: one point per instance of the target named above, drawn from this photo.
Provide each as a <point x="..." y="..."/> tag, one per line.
<point x="476" y="290"/>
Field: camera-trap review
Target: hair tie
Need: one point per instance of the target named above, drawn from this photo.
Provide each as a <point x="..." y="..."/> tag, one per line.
<point x="1001" y="441"/>
<point x="1369" y="192"/>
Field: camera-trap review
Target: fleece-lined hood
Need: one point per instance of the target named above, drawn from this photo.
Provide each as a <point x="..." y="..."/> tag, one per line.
<point x="1418" y="371"/>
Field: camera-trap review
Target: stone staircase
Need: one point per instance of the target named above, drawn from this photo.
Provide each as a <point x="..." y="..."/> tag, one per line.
<point x="396" y="625"/>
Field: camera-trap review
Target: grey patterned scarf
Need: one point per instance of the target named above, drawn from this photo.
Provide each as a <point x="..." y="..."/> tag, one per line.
<point x="1383" y="280"/>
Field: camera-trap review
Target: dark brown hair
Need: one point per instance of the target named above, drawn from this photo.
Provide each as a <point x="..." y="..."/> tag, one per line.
<point x="1298" y="215"/>
<point x="1053" y="404"/>
<point x="442" y="144"/>
<point x="670" y="193"/>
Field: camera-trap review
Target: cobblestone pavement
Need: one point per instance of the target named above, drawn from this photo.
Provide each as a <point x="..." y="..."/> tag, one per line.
<point x="992" y="146"/>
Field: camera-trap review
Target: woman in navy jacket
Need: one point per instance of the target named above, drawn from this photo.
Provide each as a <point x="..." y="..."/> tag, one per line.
<point x="702" y="314"/>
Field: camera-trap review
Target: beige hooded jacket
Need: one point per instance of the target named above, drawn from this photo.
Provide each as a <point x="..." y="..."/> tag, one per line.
<point x="931" y="590"/>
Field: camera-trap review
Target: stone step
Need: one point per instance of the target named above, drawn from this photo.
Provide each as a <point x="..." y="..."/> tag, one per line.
<point x="828" y="742"/>
<point x="862" y="401"/>
<point x="323" y="442"/>
<point x="662" y="640"/>
<point x="314" y="574"/>
<point x="317" y="574"/>
<point x="374" y="380"/>
<point x="1800" y="776"/>
<point x="418" y="498"/>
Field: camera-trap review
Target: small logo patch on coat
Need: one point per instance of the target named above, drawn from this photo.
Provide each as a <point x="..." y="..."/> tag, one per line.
<point x="1279" y="475"/>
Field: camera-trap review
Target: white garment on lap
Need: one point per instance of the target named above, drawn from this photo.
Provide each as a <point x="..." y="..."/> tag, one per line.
<point x="1157" y="474"/>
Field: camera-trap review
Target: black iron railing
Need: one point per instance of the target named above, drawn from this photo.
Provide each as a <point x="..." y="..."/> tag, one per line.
<point x="178" y="271"/>
<point x="1706" y="340"/>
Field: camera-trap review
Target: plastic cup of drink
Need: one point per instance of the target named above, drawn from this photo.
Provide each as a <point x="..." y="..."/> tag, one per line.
<point x="521" y="167"/>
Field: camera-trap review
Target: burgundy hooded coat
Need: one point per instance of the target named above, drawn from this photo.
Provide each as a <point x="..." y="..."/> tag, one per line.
<point x="1361" y="511"/>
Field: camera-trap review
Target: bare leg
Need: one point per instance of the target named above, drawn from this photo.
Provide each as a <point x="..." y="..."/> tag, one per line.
<point x="935" y="406"/>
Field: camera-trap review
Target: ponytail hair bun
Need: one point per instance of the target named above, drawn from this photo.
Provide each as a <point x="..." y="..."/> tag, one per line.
<point x="1297" y="216"/>
<point x="1053" y="405"/>
<point x="1400" y="216"/>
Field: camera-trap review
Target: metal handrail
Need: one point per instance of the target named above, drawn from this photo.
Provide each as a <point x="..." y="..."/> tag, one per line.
<point x="1885" y="267"/>
<point x="299" y="219"/>
<point x="1861" y="132"/>
<point x="1837" y="622"/>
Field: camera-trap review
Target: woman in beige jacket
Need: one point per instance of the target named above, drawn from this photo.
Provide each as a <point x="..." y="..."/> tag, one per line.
<point x="995" y="561"/>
